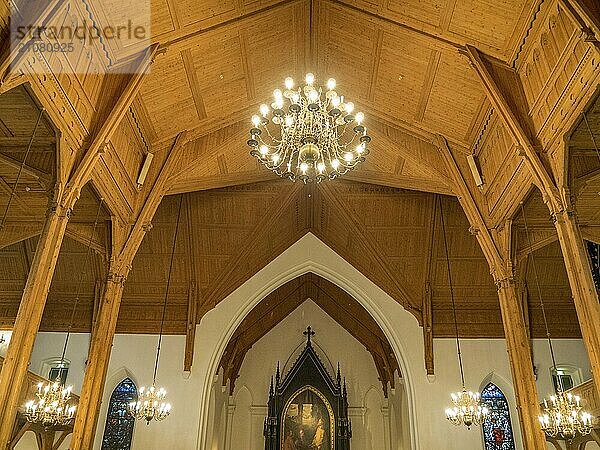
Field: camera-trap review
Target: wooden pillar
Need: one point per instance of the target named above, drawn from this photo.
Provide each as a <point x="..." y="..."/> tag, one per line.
<point x="29" y="316"/>
<point x="582" y="284"/>
<point x="92" y="390"/>
<point x="521" y="365"/>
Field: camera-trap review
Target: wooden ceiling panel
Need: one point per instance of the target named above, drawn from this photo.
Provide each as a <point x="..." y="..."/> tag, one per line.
<point x="428" y="13"/>
<point x="205" y="13"/>
<point x="164" y="19"/>
<point x="170" y="105"/>
<point x="401" y="75"/>
<point x="455" y="98"/>
<point x="489" y="22"/>
<point x="274" y="48"/>
<point x="346" y="50"/>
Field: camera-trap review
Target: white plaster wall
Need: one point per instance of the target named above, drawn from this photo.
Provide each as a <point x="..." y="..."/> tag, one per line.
<point x="187" y="428"/>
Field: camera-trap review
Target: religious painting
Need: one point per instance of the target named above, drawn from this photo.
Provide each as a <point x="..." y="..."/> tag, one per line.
<point x="308" y="422"/>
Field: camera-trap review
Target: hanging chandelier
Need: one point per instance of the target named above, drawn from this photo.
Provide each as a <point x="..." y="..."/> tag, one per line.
<point x="309" y="133"/>
<point x="564" y="416"/>
<point x="467" y="409"/>
<point x="53" y="405"/>
<point x="151" y="404"/>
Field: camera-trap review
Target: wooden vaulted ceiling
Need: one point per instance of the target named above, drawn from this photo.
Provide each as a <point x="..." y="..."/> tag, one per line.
<point x="217" y="61"/>
<point x="338" y="304"/>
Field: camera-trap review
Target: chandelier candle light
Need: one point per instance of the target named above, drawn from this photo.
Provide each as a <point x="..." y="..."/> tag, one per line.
<point x="151" y="404"/>
<point x="563" y="414"/>
<point x="466" y="406"/>
<point x="309" y="133"/>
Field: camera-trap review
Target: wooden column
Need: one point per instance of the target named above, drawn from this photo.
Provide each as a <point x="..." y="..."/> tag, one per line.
<point x="521" y="365"/>
<point x="584" y="291"/>
<point x="29" y="316"/>
<point x="97" y="363"/>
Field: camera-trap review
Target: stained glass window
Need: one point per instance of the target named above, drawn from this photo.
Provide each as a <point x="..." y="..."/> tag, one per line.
<point x="118" y="430"/>
<point x="594" y="251"/>
<point x="497" y="430"/>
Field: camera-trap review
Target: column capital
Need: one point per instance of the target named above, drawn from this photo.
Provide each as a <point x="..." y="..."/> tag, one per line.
<point x="506" y="282"/>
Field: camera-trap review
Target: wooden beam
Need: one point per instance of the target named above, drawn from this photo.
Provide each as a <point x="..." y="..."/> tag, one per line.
<point x="471" y="209"/>
<point x="190" y="334"/>
<point x="435" y="186"/>
<point x="43" y="177"/>
<point x="31" y="308"/>
<point x="427" y="306"/>
<point x="121" y="105"/>
<point x="511" y="109"/>
<point x="95" y="375"/>
<point x="191" y="184"/>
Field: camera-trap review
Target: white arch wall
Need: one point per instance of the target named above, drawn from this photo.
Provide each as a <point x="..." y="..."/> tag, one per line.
<point x="368" y="409"/>
<point x="185" y="429"/>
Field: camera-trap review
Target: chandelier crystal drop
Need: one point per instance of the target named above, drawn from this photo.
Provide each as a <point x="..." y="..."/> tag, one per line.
<point x="309" y="133"/>
<point x="53" y="405"/>
<point x="467" y="409"/>
<point x="150" y="405"/>
<point x="564" y="416"/>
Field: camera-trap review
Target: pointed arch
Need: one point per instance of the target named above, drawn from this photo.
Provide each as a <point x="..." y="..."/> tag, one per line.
<point x="118" y="429"/>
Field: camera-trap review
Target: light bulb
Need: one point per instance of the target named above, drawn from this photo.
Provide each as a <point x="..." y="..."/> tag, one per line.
<point x="360" y="148"/>
<point x="313" y="95"/>
<point x="264" y="110"/>
<point x="359" y="117"/>
<point x="348" y="157"/>
<point x="335" y="101"/>
<point x="275" y="159"/>
<point x="321" y="167"/>
<point x="303" y="167"/>
<point x="279" y="103"/>
<point x="289" y="83"/>
<point x="277" y="94"/>
<point x="331" y="84"/>
<point x="289" y="121"/>
<point x="255" y="120"/>
<point x="349" y="107"/>
<point x="295" y="97"/>
<point x="335" y="164"/>
<point x="264" y="150"/>
<point x="310" y="79"/>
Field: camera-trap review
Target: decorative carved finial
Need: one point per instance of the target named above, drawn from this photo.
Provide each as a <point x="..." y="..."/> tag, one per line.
<point x="339" y="376"/>
<point x="309" y="333"/>
<point x="271" y="388"/>
<point x="345" y="392"/>
<point x="277" y="375"/>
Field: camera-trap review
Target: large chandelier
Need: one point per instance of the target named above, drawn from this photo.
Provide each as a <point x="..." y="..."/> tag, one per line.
<point x="466" y="409"/>
<point x="564" y="416"/>
<point x="150" y="405"/>
<point x="53" y="405"/>
<point x="309" y="133"/>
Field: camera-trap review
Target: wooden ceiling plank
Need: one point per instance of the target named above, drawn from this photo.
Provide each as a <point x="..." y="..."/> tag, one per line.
<point x="193" y="82"/>
<point x="43" y="177"/>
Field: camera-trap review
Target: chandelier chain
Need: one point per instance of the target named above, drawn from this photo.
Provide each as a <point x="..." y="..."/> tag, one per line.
<point x="539" y="290"/>
<point x="81" y="280"/>
<point x="164" y="309"/>
<point x="591" y="135"/>
<point x="21" y="168"/>
<point x="458" y="349"/>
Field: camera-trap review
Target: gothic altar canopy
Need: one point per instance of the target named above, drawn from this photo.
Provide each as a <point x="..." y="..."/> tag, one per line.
<point x="308" y="409"/>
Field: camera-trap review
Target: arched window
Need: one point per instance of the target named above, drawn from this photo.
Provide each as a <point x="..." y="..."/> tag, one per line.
<point x="118" y="430"/>
<point x="594" y="251"/>
<point x="497" y="430"/>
